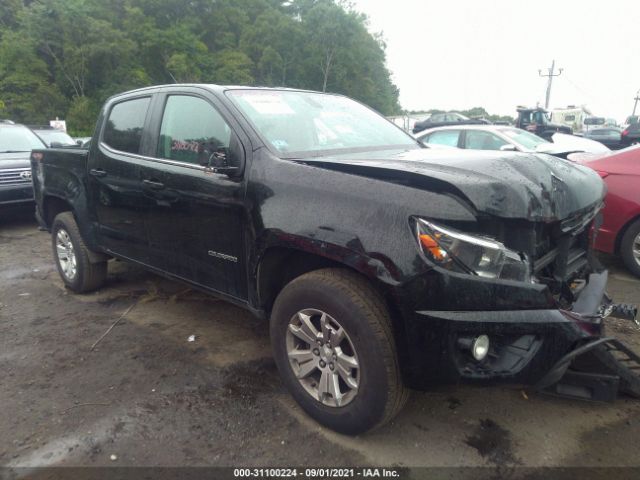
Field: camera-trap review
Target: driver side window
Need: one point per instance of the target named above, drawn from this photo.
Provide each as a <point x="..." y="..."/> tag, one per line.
<point x="192" y="130"/>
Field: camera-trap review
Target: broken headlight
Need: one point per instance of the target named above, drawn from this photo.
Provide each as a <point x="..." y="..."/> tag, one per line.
<point x="471" y="254"/>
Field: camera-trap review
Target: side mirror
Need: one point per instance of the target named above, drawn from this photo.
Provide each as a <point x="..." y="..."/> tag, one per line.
<point x="223" y="161"/>
<point x="508" y="148"/>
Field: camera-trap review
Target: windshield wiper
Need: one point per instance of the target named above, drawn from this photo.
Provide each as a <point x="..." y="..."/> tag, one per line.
<point x="15" y="151"/>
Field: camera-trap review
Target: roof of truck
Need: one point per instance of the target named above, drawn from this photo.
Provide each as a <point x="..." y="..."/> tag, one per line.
<point x="213" y="87"/>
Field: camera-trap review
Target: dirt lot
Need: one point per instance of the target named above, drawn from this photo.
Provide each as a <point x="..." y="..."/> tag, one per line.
<point x="148" y="396"/>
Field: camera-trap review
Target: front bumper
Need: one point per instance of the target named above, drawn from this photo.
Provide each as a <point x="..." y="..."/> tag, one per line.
<point x="525" y="344"/>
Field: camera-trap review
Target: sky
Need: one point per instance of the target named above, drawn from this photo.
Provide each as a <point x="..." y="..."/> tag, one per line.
<point x="458" y="54"/>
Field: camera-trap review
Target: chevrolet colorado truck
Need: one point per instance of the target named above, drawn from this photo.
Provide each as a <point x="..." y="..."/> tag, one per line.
<point x="381" y="264"/>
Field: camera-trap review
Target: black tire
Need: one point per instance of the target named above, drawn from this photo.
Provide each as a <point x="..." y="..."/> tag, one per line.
<point x="88" y="276"/>
<point x="626" y="248"/>
<point x="350" y="299"/>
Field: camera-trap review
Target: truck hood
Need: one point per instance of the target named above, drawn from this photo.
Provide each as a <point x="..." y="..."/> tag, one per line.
<point x="14" y="160"/>
<point x="534" y="187"/>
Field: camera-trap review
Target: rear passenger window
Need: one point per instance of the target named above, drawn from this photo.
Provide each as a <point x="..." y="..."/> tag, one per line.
<point x="123" y="130"/>
<point x="192" y="130"/>
<point x="444" y="137"/>
<point x="479" y="140"/>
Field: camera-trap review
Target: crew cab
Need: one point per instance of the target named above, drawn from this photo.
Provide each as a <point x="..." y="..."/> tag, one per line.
<point x="381" y="264"/>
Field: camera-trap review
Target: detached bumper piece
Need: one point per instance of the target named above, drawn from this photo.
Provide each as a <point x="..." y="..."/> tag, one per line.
<point x="596" y="371"/>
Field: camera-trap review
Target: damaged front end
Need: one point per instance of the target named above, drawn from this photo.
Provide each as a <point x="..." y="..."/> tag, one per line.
<point x="539" y="304"/>
<point x="599" y="366"/>
<point x="505" y="287"/>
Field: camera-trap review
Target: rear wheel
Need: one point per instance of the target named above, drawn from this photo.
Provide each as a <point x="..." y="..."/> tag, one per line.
<point x="334" y="348"/>
<point x="73" y="257"/>
<point x="630" y="248"/>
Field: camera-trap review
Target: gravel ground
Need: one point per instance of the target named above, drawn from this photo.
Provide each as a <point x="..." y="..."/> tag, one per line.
<point x="145" y="395"/>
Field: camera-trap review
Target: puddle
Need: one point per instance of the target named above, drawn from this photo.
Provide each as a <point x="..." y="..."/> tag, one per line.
<point x="246" y="381"/>
<point x="493" y="443"/>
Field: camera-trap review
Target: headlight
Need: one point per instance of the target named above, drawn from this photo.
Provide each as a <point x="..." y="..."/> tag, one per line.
<point x="469" y="254"/>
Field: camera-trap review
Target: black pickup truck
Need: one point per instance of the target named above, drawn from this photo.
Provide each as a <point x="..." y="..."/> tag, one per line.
<point x="380" y="263"/>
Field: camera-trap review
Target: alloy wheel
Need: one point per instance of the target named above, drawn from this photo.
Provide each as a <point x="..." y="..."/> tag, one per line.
<point x="66" y="255"/>
<point x="635" y="248"/>
<point x="323" y="357"/>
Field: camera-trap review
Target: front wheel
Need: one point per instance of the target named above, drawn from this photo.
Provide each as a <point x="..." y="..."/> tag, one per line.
<point x="334" y="347"/>
<point x="73" y="257"/>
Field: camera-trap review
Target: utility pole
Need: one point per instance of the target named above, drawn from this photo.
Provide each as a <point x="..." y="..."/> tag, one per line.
<point x="550" y="75"/>
<point x="636" y="103"/>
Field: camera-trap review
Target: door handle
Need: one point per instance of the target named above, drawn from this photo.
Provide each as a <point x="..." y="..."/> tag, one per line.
<point x="152" y="184"/>
<point x="98" y="172"/>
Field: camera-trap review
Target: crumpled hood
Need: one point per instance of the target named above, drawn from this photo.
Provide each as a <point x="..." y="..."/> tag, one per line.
<point x="535" y="187"/>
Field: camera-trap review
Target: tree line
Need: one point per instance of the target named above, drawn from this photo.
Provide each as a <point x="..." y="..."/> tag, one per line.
<point x="63" y="58"/>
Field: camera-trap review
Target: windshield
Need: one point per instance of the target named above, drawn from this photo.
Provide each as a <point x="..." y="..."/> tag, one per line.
<point x="299" y="124"/>
<point x="50" y="136"/>
<point x="522" y="137"/>
<point x="18" y="139"/>
<point x="540" y="117"/>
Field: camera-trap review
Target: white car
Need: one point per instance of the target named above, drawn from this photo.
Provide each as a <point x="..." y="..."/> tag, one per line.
<point x="498" y="137"/>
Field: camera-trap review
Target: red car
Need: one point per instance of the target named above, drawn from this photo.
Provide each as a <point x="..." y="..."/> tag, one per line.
<point x="620" y="230"/>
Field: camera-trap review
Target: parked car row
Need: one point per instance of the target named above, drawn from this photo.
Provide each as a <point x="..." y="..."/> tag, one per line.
<point x="496" y="137"/>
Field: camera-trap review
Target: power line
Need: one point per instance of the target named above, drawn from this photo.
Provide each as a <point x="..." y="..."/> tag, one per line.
<point x="551" y="73"/>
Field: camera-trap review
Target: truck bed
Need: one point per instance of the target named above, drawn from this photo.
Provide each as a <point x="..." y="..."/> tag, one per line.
<point x="61" y="173"/>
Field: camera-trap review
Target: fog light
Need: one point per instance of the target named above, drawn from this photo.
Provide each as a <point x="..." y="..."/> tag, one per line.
<point x="480" y="347"/>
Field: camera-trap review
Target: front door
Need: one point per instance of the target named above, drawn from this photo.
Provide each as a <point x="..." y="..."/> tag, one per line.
<point x="195" y="222"/>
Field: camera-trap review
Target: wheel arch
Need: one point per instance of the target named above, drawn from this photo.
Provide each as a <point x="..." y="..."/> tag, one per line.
<point x="279" y="265"/>
<point x="52" y="206"/>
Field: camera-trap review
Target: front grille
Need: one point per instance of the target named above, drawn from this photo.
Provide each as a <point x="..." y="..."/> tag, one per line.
<point x="15" y="176"/>
<point x="562" y="254"/>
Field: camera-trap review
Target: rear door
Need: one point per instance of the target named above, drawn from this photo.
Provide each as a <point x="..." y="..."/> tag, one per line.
<point x="448" y="138"/>
<point x="195" y="221"/>
<point x="482" y="140"/>
<point x="115" y="186"/>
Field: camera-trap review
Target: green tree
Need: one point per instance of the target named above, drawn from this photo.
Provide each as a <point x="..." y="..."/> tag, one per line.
<point x="25" y="89"/>
<point x="233" y="67"/>
<point x="65" y="57"/>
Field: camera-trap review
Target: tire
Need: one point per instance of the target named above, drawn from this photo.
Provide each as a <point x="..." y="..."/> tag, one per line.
<point x="631" y="236"/>
<point x="77" y="272"/>
<point x="352" y="307"/>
